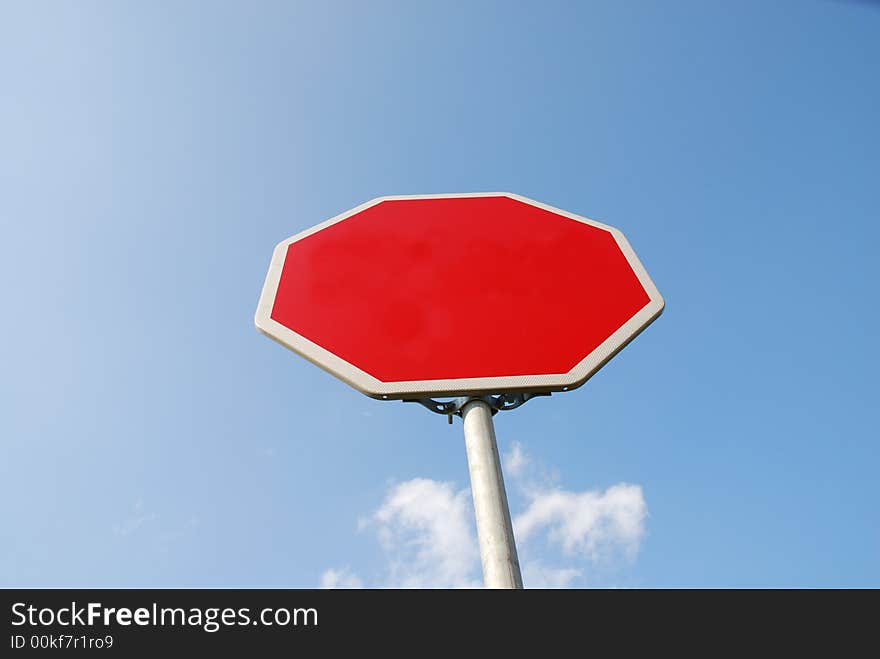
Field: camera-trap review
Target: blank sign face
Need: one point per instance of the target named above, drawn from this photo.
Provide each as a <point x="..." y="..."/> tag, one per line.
<point x="453" y="294"/>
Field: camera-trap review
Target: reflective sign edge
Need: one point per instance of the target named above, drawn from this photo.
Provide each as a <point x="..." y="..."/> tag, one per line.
<point x="375" y="388"/>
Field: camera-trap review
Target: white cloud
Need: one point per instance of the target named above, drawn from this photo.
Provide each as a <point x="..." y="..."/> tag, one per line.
<point x="135" y="521"/>
<point x="515" y="460"/>
<point x="427" y="531"/>
<point x="537" y="575"/>
<point x="426" y="528"/>
<point x="592" y="523"/>
<point x="343" y="578"/>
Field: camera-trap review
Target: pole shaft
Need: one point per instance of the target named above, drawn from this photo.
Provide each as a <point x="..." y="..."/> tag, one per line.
<point x="495" y="532"/>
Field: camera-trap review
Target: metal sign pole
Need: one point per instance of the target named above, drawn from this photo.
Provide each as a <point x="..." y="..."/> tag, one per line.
<point x="494" y="529"/>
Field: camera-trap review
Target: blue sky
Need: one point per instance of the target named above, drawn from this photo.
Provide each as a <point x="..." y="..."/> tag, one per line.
<point x="154" y="153"/>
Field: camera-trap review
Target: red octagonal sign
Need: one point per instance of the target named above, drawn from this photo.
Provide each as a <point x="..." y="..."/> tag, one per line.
<point x="438" y="295"/>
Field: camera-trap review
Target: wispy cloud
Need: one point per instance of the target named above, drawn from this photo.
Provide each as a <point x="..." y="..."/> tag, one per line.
<point x="591" y="523"/>
<point x="343" y="578"/>
<point x="515" y="460"/>
<point x="426" y="529"/>
<point x="152" y="532"/>
<point x="137" y="519"/>
<point x="538" y="575"/>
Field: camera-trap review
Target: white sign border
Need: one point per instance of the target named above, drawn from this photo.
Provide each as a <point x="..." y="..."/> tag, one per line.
<point x="375" y="388"/>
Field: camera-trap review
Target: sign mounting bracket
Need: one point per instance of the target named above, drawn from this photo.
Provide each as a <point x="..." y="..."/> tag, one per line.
<point x="496" y="402"/>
